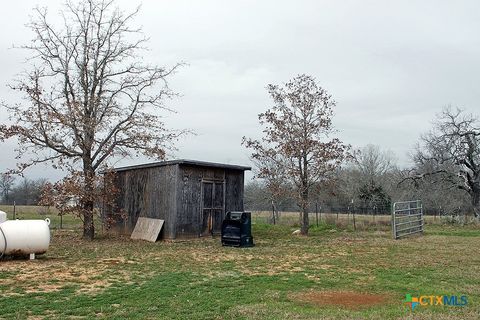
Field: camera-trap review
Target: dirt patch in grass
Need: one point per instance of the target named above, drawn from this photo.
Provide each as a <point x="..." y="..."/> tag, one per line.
<point x="344" y="299"/>
<point x="49" y="275"/>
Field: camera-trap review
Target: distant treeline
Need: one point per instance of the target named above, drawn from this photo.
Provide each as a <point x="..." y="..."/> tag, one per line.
<point x="21" y="191"/>
<point x="368" y="185"/>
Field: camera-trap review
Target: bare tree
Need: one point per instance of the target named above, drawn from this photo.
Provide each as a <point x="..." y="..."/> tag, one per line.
<point x="450" y="153"/>
<point x="274" y="182"/>
<point x="7" y="182"/>
<point x="89" y="96"/>
<point x="373" y="167"/>
<point x="28" y="191"/>
<point x="373" y="162"/>
<point x="296" y="140"/>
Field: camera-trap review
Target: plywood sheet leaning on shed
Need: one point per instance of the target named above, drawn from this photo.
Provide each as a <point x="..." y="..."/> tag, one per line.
<point x="147" y="229"/>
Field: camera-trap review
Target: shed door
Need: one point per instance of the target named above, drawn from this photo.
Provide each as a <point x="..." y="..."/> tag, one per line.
<point x="213" y="208"/>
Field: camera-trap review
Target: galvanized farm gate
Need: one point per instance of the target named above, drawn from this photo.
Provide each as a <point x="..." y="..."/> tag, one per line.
<point x="407" y="218"/>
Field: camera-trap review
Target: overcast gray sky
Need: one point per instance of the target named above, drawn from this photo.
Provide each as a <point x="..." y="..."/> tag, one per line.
<point x="390" y="65"/>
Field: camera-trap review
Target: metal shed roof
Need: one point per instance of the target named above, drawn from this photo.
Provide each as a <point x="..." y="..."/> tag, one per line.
<point x="182" y="162"/>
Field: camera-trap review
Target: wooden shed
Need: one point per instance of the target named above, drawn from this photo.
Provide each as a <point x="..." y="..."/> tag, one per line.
<point x="191" y="196"/>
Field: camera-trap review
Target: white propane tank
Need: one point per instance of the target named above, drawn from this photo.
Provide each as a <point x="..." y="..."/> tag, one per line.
<point x="24" y="237"/>
<point x="3" y="216"/>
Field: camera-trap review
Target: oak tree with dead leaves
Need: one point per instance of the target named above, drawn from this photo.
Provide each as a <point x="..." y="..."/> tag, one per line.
<point x="89" y="96"/>
<point x="297" y="147"/>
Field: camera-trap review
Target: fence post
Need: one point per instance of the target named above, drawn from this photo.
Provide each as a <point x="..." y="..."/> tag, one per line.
<point x="394" y="231"/>
<point x="14" y="211"/>
<point x="420" y="210"/>
<point x="273" y="213"/>
<point x="354" y="225"/>
<point x="353" y="213"/>
<point x="316" y="212"/>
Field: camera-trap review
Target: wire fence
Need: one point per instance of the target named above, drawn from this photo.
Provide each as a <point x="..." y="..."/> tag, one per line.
<point x="345" y="217"/>
<point x="66" y="221"/>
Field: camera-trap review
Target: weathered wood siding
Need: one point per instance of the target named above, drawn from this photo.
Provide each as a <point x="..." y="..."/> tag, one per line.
<point x="175" y="193"/>
<point x="234" y="185"/>
<point x="150" y="193"/>
<point x="189" y="202"/>
<point x="190" y="207"/>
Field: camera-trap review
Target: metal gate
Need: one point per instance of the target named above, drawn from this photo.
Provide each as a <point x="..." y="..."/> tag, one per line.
<point x="407" y="218"/>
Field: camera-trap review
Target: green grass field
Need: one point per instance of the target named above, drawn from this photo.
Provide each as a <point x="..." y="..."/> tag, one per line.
<point x="333" y="273"/>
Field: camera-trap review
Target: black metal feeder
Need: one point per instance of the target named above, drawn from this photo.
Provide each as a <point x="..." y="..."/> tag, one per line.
<point x="237" y="229"/>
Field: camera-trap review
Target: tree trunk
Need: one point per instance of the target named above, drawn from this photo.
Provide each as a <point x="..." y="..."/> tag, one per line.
<point x="305" y="219"/>
<point x="88" y="200"/>
<point x="88" y="225"/>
